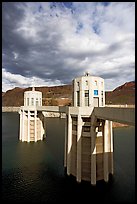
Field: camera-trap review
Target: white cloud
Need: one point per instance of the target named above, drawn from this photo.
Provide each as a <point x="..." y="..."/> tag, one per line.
<point x="15" y="80"/>
<point x="53" y="46"/>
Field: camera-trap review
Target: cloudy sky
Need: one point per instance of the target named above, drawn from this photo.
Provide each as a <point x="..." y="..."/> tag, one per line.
<point x="48" y="44"/>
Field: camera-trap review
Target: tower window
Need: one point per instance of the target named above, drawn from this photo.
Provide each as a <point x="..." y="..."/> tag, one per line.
<point x="78" y="98"/>
<point x="96" y="92"/>
<point x="86" y="129"/>
<point x="86" y="83"/>
<point x="102" y="101"/>
<point x="95" y="82"/>
<point x="37" y="101"/>
<point x="32" y="101"/>
<point x="86" y="97"/>
<point x="27" y="101"/>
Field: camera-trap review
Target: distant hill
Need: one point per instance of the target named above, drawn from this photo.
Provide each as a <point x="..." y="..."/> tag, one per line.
<point x="3" y="93"/>
<point x="56" y="95"/>
<point x="124" y="94"/>
<point x="62" y="95"/>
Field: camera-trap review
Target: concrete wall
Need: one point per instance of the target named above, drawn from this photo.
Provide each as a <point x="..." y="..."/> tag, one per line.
<point x="10" y="109"/>
<point x="36" y="96"/>
<point x="32" y="126"/>
<point x="88" y="145"/>
<point x="88" y="83"/>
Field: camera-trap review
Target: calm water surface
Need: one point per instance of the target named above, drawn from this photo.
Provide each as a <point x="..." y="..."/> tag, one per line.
<point x="34" y="172"/>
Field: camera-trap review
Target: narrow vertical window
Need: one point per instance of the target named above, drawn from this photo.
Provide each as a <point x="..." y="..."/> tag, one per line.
<point x="27" y="101"/>
<point x="78" y="98"/>
<point x="95" y="82"/>
<point x="37" y="101"/>
<point x="102" y="101"/>
<point x="102" y="98"/>
<point x="32" y="101"/>
<point x="86" y="97"/>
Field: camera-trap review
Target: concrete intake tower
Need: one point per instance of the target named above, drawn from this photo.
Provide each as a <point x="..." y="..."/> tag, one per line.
<point x="32" y="124"/>
<point x="88" y="140"/>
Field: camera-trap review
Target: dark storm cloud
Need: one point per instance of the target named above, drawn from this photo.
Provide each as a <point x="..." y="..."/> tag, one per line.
<point x="40" y="40"/>
<point x="11" y="40"/>
<point x="35" y="59"/>
<point x="124" y="71"/>
<point x="11" y="15"/>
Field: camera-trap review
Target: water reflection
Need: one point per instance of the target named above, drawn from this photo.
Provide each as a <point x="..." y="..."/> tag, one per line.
<point x="34" y="172"/>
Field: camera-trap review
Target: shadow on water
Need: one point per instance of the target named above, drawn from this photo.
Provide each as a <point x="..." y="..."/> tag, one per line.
<point x="34" y="172"/>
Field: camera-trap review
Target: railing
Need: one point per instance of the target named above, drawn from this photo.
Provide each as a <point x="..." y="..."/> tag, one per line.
<point x="121" y="106"/>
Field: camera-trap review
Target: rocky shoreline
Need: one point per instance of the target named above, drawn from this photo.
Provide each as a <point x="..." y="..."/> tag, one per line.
<point x="116" y="125"/>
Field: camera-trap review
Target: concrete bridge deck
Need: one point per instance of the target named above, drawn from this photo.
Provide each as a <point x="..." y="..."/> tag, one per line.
<point x="117" y="114"/>
<point x="121" y="114"/>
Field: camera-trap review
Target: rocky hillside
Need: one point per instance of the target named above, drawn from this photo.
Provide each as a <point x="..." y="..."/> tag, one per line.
<point x="57" y="95"/>
<point x="124" y="94"/>
<point x="62" y="95"/>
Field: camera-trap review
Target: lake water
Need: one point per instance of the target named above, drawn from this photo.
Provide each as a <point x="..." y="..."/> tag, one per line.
<point x="34" y="172"/>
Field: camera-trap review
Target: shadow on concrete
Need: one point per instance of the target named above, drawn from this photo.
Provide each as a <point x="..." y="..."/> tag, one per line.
<point x="43" y="120"/>
<point x="103" y="159"/>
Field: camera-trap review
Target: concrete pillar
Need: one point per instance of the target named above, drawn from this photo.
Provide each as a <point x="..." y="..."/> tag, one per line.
<point x="41" y="129"/>
<point x="35" y="125"/>
<point x="44" y="126"/>
<point x="20" y="135"/>
<point x="90" y="98"/>
<point x="93" y="151"/>
<point x="65" y="146"/>
<point x="82" y="98"/>
<point x="34" y="100"/>
<point x="111" y="148"/>
<point x="79" y="134"/>
<point x="23" y="114"/>
<point x="75" y="98"/>
<point x="69" y="143"/>
<point x="41" y="125"/>
<point x="28" y="126"/>
<point x="106" y="149"/>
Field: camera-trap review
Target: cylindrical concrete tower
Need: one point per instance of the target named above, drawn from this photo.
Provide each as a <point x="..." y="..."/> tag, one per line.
<point x="88" y="91"/>
<point x="32" y="98"/>
<point x="88" y="139"/>
<point x="32" y="124"/>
